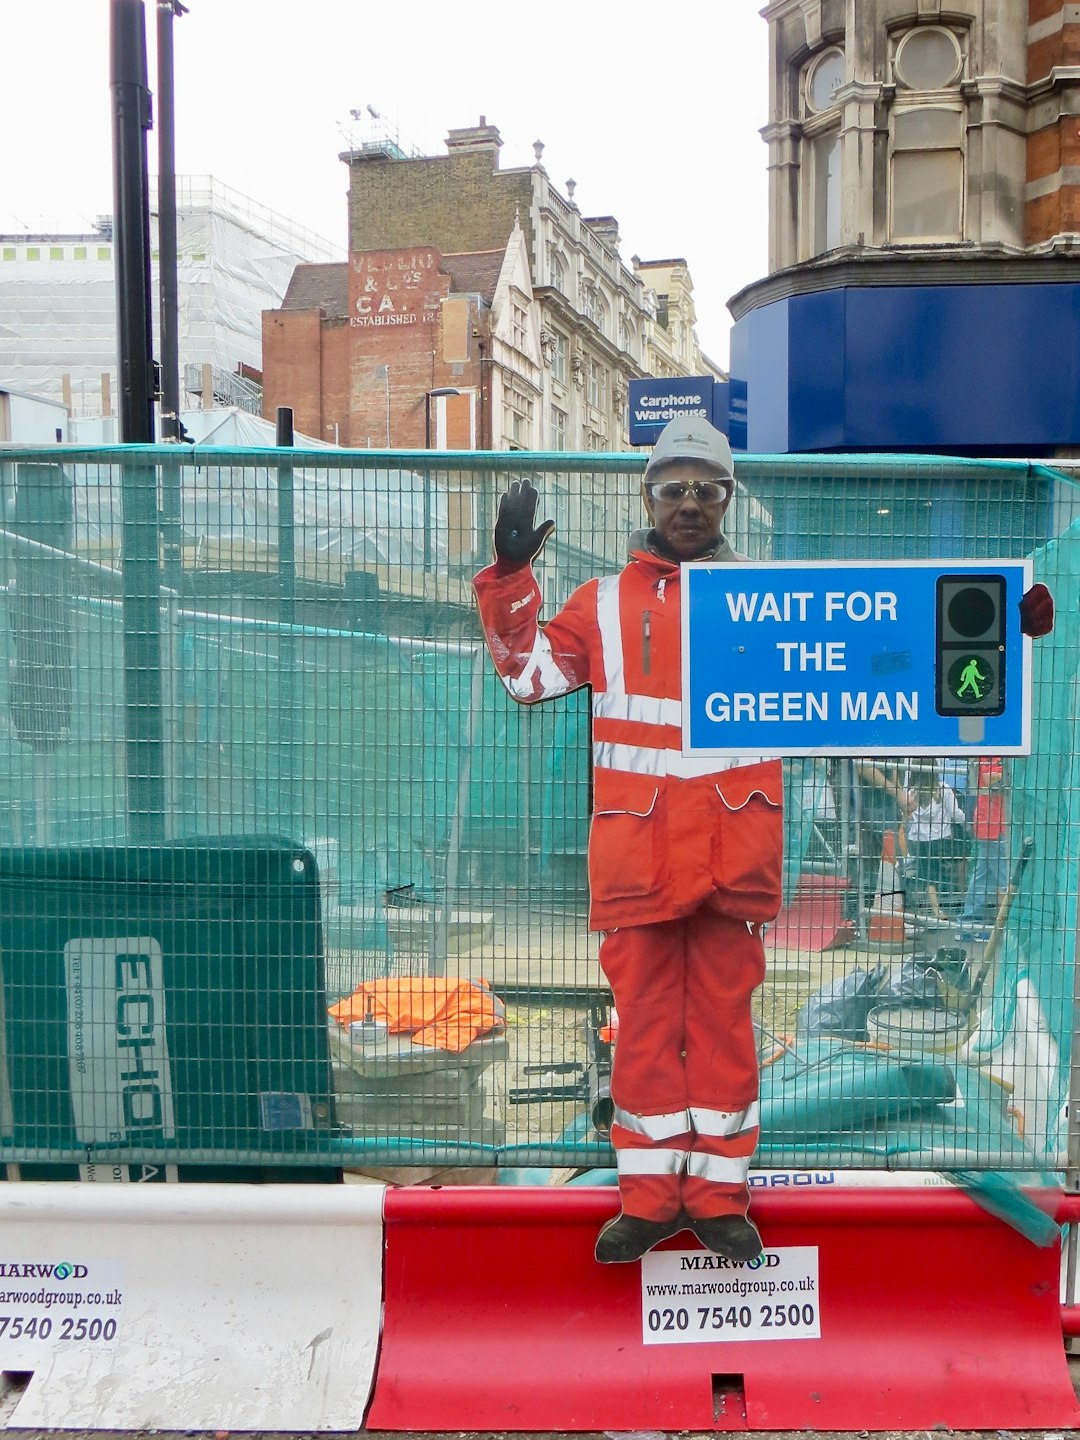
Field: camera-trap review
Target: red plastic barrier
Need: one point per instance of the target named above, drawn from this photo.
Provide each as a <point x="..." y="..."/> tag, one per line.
<point x="932" y="1313"/>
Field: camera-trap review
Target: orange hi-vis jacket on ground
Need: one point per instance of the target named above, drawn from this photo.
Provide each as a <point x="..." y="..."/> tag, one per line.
<point x="447" y="1014"/>
<point x="668" y="831"/>
<point x="685" y="859"/>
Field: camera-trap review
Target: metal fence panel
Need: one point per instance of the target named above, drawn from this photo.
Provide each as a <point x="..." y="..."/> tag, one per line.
<point x="203" y="709"/>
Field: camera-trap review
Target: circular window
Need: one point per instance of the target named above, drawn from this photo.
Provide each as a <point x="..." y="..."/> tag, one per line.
<point x="824" y="79"/>
<point x="928" y="59"/>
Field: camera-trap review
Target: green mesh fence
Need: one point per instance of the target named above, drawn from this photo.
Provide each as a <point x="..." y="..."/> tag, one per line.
<point x="259" y="782"/>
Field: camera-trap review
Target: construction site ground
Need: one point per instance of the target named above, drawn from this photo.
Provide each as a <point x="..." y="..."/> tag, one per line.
<point x="549" y="974"/>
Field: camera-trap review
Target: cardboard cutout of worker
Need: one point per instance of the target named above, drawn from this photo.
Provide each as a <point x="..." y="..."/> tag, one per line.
<point x="685" y="853"/>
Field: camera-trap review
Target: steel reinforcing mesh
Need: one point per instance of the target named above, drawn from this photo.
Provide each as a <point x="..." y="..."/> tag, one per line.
<point x="287" y="882"/>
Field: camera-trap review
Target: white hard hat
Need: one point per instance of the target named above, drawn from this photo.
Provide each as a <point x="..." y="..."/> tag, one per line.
<point x="688" y="437"/>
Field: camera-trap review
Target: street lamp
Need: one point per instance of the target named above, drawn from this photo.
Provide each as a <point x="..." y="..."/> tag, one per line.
<point x="429" y="396"/>
<point x="433" y="395"/>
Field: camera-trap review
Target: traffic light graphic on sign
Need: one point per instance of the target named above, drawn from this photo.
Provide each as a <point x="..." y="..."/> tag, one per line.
<point x="970" y="634"/>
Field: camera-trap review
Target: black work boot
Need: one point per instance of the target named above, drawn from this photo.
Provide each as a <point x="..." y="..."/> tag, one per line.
<point x="629" y="1237"/>
<point x="733" y="1236"/>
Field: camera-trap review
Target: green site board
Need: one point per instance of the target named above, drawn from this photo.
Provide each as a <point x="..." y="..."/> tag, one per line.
<point x="163" y="1003"/>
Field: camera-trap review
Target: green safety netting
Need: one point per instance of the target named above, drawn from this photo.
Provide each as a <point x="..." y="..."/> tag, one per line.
<point x="323" y="686"/>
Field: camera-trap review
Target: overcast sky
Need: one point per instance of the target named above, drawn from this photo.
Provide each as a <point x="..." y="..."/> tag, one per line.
<point x="653" y="109"/>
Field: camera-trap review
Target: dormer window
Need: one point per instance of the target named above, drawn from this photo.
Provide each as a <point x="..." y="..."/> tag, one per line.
<point x="519" y="326"/>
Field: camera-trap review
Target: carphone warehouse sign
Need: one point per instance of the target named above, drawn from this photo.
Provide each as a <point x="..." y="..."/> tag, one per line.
<point x="824" y="658"/>
<point x="654" y="402"/>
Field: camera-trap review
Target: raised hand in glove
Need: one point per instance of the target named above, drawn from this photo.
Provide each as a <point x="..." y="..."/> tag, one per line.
<point x="518" y="538"/>
<point x="1037" y="611"/>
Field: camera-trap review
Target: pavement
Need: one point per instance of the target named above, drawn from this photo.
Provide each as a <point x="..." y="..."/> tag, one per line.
<point x="562" y="1435"/>
<point x="12" y="1387"/>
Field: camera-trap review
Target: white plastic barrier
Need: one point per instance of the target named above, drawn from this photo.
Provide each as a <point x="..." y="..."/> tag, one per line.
<point x="191" y="1307"/>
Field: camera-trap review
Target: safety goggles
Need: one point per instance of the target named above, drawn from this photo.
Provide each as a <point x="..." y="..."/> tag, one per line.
<point x="706" y="492"/>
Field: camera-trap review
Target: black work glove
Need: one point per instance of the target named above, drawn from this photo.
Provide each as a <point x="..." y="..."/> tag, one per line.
<point x="518" y="539"/>
<point x="1037" y="611"/>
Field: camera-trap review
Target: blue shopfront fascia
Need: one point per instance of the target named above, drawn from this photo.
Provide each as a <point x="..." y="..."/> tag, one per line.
<point x="971" y="369"/>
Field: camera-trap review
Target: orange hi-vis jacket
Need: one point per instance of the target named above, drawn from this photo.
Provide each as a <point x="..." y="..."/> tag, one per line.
<point x="668" y="831"/>
<point x="444" y="1012"/>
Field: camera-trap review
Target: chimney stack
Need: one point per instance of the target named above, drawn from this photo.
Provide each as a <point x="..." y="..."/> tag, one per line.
<point x="481" y="138"/>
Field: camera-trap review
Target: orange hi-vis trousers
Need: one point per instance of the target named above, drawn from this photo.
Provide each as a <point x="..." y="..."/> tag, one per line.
<point x="685" y="1072"/>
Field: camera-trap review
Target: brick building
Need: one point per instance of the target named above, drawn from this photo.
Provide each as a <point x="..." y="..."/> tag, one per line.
<point x="478" y="309"/>
<point x="924" y="214"/>
<point x="1052" y="179"/>
<point x="357" y="349"/>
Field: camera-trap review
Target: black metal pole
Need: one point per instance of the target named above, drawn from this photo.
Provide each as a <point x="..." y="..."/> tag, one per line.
<point x="287" y="728"/>
<point x="131" y="220"/>
<point x="168" y="329"/>
<point x="286" y="534"/>
<point x="168" y="303"/>
<point x="143" y="720"/>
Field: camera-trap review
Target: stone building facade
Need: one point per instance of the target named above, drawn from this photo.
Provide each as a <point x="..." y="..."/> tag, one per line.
<point x="671" y="346"/>
<point x="895" y="122"/>
<point x="924" y="204"/>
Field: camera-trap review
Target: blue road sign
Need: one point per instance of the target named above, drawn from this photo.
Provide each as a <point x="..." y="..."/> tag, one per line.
<point x="654" y="402"/>
<point x="915" y="657"/>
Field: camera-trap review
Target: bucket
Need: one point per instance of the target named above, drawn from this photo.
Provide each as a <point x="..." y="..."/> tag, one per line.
<point x="368" y="1031"/>
<point x="918" y="1030"/>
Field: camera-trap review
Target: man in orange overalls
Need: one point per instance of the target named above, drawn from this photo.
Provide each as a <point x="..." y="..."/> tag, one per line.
<point x="685" y="853"/>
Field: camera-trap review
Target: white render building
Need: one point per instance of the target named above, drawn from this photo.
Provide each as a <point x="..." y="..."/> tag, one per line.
<point x="58" y="301"/>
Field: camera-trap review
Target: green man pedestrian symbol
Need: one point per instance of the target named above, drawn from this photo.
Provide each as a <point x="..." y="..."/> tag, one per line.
<point x="971" y="678"/>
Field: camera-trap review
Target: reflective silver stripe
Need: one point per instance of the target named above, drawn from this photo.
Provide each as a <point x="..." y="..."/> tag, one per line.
<point x="608" y="756"/>
<point x="654" y="1127"/>
<point x="720" y="1169"/>
<point x="650" y="1162"/>
<point x="724" y="1122"/>
<point x="647" y="709"/>
<point x="607" y="618"/>
<point x="540" y="669"/>
<point x="641" y="761"/>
